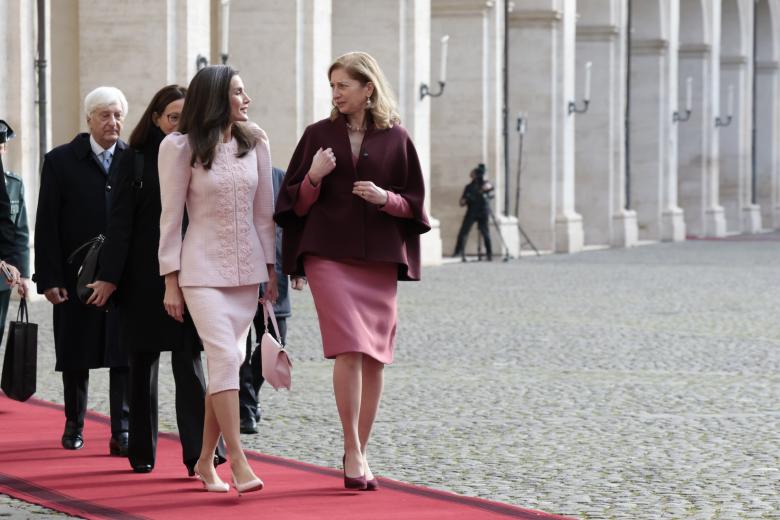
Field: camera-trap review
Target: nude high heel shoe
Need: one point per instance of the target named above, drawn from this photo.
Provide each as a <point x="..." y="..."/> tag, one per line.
<point x="215" y="487"/>
<point x="247" y="487"/>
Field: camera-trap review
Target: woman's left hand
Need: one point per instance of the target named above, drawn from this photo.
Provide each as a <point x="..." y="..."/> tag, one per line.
<point x="271" y="292"/>
<point x="370" y="192"/>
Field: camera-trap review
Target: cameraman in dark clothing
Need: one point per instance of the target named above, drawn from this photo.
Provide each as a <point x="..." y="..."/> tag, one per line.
<point x="475" y="196"/>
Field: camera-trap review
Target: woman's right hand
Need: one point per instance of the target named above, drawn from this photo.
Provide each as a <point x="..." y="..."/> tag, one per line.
<point x="323" y="163"/>
<point x="173" y="301"/>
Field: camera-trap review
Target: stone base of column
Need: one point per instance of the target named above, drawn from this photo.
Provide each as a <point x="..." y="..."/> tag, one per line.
<point x="569" y="235"/>
<point x="775" y="218"/>
<point x="751" y="218"/>
<point x="510" y="234"/>
<point x="715" y="222"/>
<point x="625" y="231"/>
<point x="672" y="225"/>
<point x="430" y="244"/>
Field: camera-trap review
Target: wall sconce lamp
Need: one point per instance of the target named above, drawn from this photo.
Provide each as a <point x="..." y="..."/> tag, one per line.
<point x="676" y="117"/>
<point x="573" y="109"/>
<point x="729" y="109"/>
<point x="424" y="90"/>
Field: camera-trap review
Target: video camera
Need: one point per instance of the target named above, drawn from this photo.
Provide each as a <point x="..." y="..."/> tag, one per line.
<point x="479" y="176"/>
<point x="6" y="133"/>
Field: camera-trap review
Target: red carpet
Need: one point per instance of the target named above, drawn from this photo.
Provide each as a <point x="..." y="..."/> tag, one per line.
<point x="91" y="484"/>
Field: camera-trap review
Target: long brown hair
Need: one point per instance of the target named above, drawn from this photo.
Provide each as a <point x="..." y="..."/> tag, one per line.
<point x="157" y="105"/>
<point x="206" y="115"/>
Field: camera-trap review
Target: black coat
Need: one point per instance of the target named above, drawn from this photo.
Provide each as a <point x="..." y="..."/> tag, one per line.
<point x="72" y="208"/>
<point x="129" y="259"/>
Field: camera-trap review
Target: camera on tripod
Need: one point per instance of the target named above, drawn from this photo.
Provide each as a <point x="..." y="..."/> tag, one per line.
<point x="486" y="189"/>
<point x="6" y="133"/>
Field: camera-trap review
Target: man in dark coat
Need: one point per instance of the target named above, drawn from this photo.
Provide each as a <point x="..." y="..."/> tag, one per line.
<point x="17" y="252"/>
<point x="478" y="210"/>
<point x="76" y="181"/>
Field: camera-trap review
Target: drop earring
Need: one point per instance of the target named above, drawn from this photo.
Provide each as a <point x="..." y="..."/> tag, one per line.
<point x="368" y="103"/>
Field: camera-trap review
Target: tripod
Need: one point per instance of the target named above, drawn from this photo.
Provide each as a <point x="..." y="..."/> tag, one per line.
<point x="521" y="137"/>
<point x="492" y="215"/>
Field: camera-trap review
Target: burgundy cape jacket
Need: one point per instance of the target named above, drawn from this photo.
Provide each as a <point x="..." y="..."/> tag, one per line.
<point x="341" y="225"/>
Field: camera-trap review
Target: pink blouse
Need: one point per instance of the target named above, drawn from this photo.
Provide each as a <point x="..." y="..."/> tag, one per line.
<point x="231" y="234"/>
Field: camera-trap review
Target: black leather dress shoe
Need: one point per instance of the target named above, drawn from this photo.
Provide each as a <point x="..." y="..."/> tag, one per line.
<point x="143" y="468"/>
<point x="72" y="438"/>
<point x="118" y="444"/>
<point x="248" y="425"/>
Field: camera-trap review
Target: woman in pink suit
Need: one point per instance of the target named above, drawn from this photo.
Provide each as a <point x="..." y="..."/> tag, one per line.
<point x="352" y="209"/>
<point x="219" y="166"/>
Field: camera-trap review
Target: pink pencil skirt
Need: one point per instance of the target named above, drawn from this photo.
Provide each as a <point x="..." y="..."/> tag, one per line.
<point x="356" y="305"/>
<point x="222" y="316"/>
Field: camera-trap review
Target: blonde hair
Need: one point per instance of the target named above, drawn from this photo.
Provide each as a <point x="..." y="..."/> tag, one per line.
<point x="363" y="67"/>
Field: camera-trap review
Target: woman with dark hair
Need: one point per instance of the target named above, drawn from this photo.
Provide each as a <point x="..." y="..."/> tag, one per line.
<point x="219" y="166"/>
<point x="129" y="262"/>
<point x="352" y="209"/>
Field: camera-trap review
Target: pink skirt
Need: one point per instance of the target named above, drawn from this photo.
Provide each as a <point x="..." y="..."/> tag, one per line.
<point x="356" y="305"/>
<point x="222" y="316"/>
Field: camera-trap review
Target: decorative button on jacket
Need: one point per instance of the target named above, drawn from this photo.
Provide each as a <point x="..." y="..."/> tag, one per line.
<point x="230" y="235"/>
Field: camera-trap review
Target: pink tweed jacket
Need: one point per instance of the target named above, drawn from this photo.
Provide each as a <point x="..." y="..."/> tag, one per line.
<point x="230" y="235"/>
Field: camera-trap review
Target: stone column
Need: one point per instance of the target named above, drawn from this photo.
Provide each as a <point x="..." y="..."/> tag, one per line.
<point x="767" y="112"/>
<point x="767" y="136"/>
<point x="543" y="63"/>
<point x="653" y="99"/>
<point x="369" y="26"/>
<point x="164" y="49"/>
<point x="735" y="142"/>
<point x="465" y="121"/>
<point x="282" y="50"/>
<point x="18" y="94"/>
<point x="735" y="139"/>
<point x="601" y="159"/>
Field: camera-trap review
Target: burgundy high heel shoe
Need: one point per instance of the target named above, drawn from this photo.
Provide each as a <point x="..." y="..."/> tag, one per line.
<point x="352" y="482"/>
<point x="372" y="484"/>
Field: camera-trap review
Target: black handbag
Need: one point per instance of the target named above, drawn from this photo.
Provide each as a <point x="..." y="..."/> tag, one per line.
<point x="89" y="266"/>
<point x="21" y="357"/>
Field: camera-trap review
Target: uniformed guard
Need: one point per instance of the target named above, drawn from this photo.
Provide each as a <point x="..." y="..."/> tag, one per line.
<point x="16" y="249"/>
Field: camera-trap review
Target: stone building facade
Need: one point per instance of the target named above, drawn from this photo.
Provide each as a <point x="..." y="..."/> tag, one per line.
<point x="679" y="137"/>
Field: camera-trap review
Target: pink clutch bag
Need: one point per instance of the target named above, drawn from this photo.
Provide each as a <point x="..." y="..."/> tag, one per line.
<point x="277" y="367"/>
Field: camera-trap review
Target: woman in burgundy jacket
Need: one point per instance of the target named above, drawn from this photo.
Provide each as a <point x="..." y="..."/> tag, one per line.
<point x="351" y="206"/>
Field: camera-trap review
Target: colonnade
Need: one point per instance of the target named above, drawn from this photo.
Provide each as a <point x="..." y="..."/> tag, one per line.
<point x="678" y="140"/>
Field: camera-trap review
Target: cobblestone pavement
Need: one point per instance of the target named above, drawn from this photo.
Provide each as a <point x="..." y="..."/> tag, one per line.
<point x="624" y="384"/>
